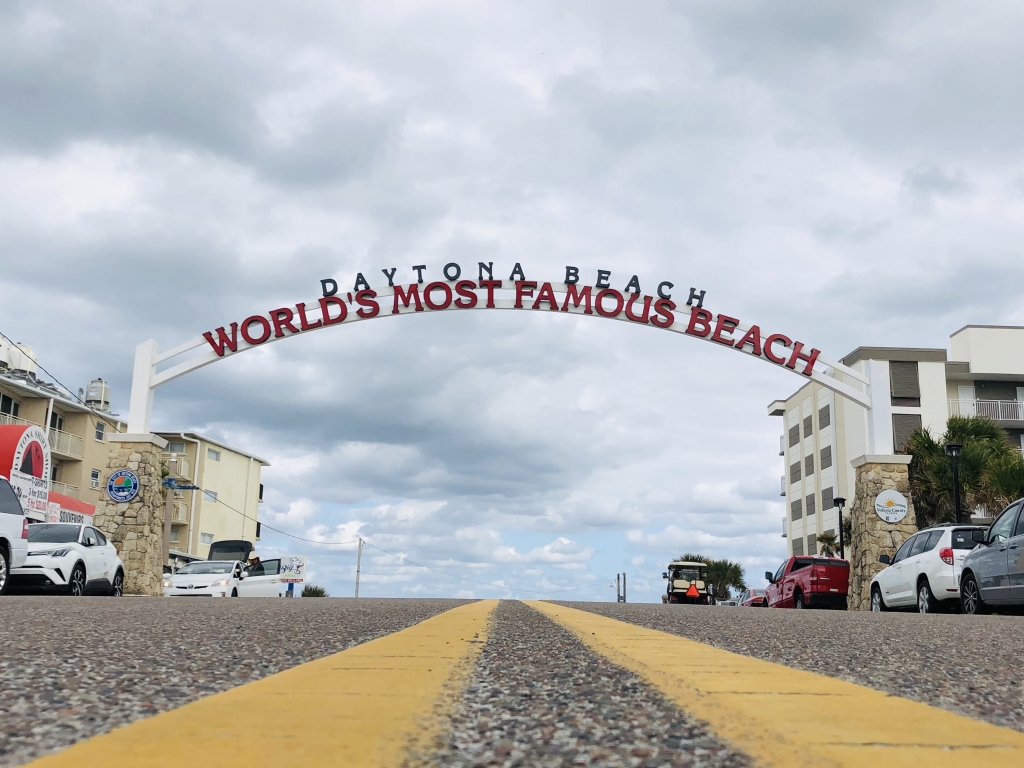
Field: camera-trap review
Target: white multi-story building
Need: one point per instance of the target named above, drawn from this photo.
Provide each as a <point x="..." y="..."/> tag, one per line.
<point x="982" y="374"/>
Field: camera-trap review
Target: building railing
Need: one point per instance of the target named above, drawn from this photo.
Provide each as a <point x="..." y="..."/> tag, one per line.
<point x="66" y="444"/>
<point x="782" y="483"/>
<point x="784" y="527"/>
<point x="997" y="410"/>
<point x="7" y="420"/>
<point x="782" y="445"/>
<point x="66" y="488"/>
<point x="178" y="465"/>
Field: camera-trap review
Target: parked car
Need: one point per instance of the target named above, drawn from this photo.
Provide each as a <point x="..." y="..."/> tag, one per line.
<point x="727" y="603"/>
<point x="13" y="533"/>
<point x="206" y="578"/>
<point x="224" y="578"/>
<point x="809" y="582"/>
<point x="75" y="559"/>
<point x="993" y="572"/>
<point x="753" y="598"/>
<point x="925" y="571"/>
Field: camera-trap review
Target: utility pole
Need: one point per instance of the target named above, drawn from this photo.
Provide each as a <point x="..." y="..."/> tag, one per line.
<point x="168" y="510"/>
<point x="359" y="563"/>
<point x="620" y="587"/>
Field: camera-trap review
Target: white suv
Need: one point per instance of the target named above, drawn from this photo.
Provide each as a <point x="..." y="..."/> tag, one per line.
<point x="13" y="533"/>
<point x="925" y="571"/>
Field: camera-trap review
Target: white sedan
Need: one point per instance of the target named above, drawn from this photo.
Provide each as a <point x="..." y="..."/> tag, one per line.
<point x="75" y="559"/>
<point x="224" y="578"/>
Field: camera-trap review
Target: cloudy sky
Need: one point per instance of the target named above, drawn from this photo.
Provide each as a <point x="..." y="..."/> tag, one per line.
<point x="848" y="173"/>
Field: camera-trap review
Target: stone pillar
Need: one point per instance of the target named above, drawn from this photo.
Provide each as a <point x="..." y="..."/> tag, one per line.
<point x="871" y="535"/>
<point x="136" y="527"/>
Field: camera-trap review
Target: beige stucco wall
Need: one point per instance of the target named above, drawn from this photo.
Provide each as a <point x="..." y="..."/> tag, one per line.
<point x="990" y="350"/>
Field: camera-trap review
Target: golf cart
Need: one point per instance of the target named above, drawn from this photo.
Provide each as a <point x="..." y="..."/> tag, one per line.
<point x="687" y="583"/>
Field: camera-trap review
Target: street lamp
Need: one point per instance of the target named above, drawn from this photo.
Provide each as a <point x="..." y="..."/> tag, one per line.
<point x="838" y="502"/>
<point x="953" y="451"/>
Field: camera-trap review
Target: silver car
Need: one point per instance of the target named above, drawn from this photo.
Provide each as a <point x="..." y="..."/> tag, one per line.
<point x="993" y="572"/>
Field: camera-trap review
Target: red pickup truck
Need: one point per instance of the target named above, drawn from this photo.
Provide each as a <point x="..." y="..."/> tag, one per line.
<point x="809" y="582"/>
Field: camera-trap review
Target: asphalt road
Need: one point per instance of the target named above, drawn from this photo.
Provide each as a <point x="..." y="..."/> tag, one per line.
<point x="971" y="665"/>
<point x="72" y="668"/>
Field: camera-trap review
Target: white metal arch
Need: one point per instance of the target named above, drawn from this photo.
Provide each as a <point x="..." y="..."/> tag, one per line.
<point x="154" y="368"/>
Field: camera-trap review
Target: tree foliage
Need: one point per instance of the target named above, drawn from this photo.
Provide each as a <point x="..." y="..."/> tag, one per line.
<point x="312" y="590"/>
<point x="724" y="575"/>
<point x="828" y="544"/>
<point x="991" y="470"/>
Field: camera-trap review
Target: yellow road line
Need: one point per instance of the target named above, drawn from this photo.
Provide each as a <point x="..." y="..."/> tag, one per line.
<point x="366" y="706"/>
<point x="787" y="717"/>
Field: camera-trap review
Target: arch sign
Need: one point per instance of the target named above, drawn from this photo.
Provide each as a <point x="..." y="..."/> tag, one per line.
<point x="452" y="291"/>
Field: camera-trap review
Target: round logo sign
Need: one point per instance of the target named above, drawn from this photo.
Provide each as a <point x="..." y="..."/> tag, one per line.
<point x="123" y="485"/>
<point x="891" y="506"/>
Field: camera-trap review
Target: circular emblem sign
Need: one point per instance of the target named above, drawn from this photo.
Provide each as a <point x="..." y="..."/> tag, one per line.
<point x="123" y="485"/>
<point x="891" y="506"/>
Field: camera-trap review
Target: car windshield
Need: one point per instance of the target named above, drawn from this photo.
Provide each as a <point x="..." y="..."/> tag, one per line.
<point x="757" y="592"/>
<point x="686" y="573"/>
<point x="53" y="533"/>
<point x="192" y="568"/>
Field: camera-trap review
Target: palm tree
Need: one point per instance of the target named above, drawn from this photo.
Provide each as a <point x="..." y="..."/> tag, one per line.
<point x="991" y="471"/>
<point x="721" y="574"/>
<point x="829" y="544"/>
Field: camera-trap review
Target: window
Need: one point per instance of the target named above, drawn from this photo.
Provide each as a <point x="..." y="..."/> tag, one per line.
<point x="798" y="547"/>
<point x="903" y="426"/>
<point x="933" y="540"/>
<point x="94" y="479"/>
<point x="100" y="537"/>
<point x="794" y="472"/>
<point x="827" y="498"/>
<point x="812" y="545"/>
<point x="794" y="435"/>
<point x="778" y="573"/>
<point x="901" y="553"/>
<point x="212" y="455"/>
<point x="962" y="538"/>
<point x="9" y="504"/>
<point x="824" y="417"/>
<point x="826" y="457"/>
<point x="89" y="537"/>
<point x="56" y="421"/>
<point x="809" y="505"/>
<point x="9" y="405"/>
<point x="100" y="429"/>
<point x="920" y="541"/>
<point x="1001" y="528"/>
<point x="174" y="534"/>
<point x="808" y="465"/>
<point x="796" y="509"/>
<point x="210" y="495"/>
<point x="1019" y="530"/>
<point x="903" y="383"/>
<point x="808" y="426"/>
<point x="53" y="473"/>
<point x="206" y="538"/>
<point x="177" y="447"/>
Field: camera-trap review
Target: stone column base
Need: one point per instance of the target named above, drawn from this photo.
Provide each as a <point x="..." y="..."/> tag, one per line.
<point x="136" y="527"/>
<point x="872" y="536"/>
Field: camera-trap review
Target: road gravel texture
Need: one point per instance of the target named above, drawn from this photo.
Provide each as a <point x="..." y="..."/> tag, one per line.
<point x="71" y="668"/>
<point x="971" y="665"/>
<point x="539" y="699"/>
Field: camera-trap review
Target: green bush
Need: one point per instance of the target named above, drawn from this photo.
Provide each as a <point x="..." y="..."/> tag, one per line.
<point x="312" y="590"/>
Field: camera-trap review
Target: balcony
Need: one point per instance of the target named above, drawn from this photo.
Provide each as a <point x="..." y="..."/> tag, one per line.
<point x="782" y="445"/>
<point x="178" y="466"/>
<point x="997" y="410"/>
<point x="782" y="482"/>
<point x="66" y="445"/>
<point x="784" y="527"/>
<point x="65" y="488"/>
<point x="179" y="513"/>
<point x="7" y="420"/>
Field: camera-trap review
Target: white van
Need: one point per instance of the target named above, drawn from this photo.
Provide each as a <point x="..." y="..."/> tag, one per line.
<point x="13" y="533"/>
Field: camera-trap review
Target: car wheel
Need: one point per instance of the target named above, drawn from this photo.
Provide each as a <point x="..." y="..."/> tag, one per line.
<point x="877" y="604"/>
<point x="117" y="587"/>
<point x="798" y="601"/>
<point x="5" y="570"/>
<point x="234" y="593"/>
<point x="970" y="596"/>
<point x="764" y="603"/>
<point x="926" y="602"/>
<point x="76" y="584"/>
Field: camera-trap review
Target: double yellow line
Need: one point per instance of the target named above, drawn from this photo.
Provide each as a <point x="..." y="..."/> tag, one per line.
<point x="380" y="703"/>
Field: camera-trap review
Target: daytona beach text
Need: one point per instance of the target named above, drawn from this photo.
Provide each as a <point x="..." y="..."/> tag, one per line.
<point x="516" y="293"/>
